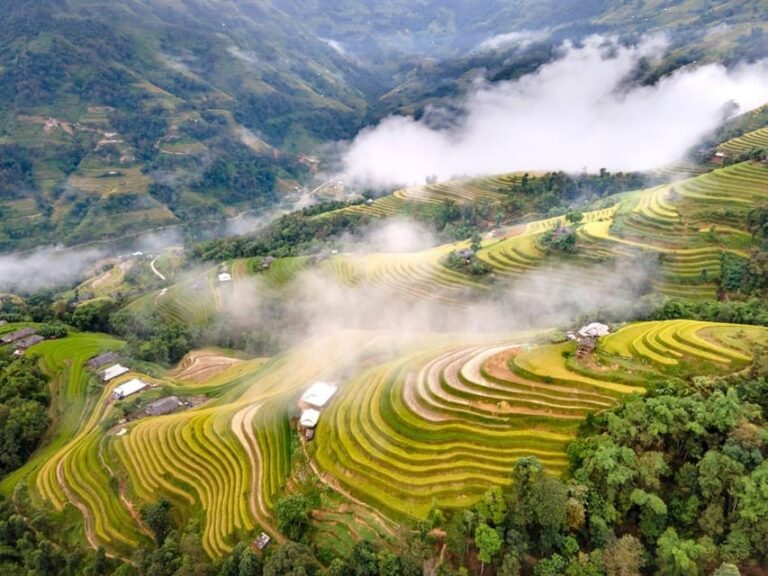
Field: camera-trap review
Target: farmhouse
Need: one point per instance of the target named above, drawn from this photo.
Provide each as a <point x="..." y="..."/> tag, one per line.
<point x="113" y="372"/>
<point x="17" y="335"/>
<point x="128" y="388"/>
<point x="719" y="158"/>
<point x="22" y="345"/>
<point x="262" y="541"/>
<point x="164" y="406"/>
<point x="102" y="360"/>
<point x="225" y="277"/>
<point x="595" y="329"/>
<point x="587" y="336"/>
<point x="317" y="395"/>
<point x="309" y="418"/>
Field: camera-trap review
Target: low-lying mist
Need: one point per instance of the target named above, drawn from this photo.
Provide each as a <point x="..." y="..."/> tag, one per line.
<point x="317" y="304"/>
<point x="581" y="111"/>
<point x="45" y="268"/>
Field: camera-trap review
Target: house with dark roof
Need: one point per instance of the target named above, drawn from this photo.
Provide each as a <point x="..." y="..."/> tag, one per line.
<point x="102" y="359"/>
<point x="164" y="406"/>
<point x="17" y="335"/>
<point x="28" y="342"/>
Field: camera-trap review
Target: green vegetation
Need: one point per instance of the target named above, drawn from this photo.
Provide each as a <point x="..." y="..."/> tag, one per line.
<point x="441" y="452"/>
<point x="24" y="398"/>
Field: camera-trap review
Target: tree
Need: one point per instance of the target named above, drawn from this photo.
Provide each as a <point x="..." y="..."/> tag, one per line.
<point x="510" y="565"/>
<point x="363" y="560"/>
<point x="753" y="506"/>
<point x="574" y="217"/>
<point x="677" y="557"/>
<point x="488" y="543"/>
<point x="158" y="517"/>
<point x="389" y="564"/>
<point x="243" y="561"/>
<point x="293" y="516"/>
<point x="727" y="570"/>
<point x="493" y="507"/>
<point x="552" y="566"/>
<point x="339" y="568"/>
<point x="475" y="242"/>
<point x="52" y="330"/>
<point x="291" y="560"/>
<point x="624" y="557"/>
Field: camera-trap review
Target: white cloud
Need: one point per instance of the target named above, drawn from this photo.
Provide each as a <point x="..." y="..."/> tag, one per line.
<point x="573" y="113"/>
<point x="336" y="45"/>
<point x="512" y="39"/>
<point x="45" y="268"/>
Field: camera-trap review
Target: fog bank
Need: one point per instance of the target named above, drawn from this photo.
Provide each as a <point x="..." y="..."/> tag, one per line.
<point x="579" y="111"/>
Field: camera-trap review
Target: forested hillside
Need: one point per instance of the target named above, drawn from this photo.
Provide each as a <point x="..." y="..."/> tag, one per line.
<point x="118" y="117"/>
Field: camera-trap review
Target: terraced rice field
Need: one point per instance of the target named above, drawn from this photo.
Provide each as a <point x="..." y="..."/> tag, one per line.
<point x="69" y="469"/>
<point x="416" y="276"/>
<point x="110" y="180"/>
<point x="419" y="424"/>
<point x="440" y="427"/>
<point x="755" y="139"/>
<point x="687" y="225"/>
<point x="459" y="191"/>
<point x="684" y="227"/>
<point x="229" y="460"/>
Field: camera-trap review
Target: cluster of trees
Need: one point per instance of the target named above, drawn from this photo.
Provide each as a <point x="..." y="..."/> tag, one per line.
<point x="15" y="171"/>
<point x="238" y="175"/>
<point x="289" y="235"/>
<point x="280" y="118"/>
<point x="467" y="260"/>
<point x="24" y="399"/>
<point x="152" y="338"/>
<point x="26" y="549"/>
<point x="558" y="188"/>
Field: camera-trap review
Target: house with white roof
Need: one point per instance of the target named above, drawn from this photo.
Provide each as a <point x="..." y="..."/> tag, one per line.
<point x="318" y="394"/>
<point x="113" y="372"/>
<point x="128" y="388"/>
<point x="309" y="418"/>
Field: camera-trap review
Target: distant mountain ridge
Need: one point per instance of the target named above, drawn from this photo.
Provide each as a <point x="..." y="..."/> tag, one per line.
<point x="117" y="117"/>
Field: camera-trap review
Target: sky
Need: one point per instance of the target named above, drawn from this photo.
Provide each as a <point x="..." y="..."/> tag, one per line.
<point x="577" y="112"/>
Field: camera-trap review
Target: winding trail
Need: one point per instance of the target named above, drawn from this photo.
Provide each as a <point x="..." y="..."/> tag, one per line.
<point x="155" y="270"/>
<point x="90" y="534"/>
<point x="385" y="523"/>
<point x="242" y="426"/>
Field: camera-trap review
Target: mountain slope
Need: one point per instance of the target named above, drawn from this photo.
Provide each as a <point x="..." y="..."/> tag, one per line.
<point x="119" y="117"/>
<point x="125" y="116"/>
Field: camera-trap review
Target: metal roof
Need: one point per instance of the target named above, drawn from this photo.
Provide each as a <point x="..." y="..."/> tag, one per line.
<point x="113" y="372"/>
<point x="318" y="394"/>
<point x="309" y="418"/>
<point x="128" y="388"/>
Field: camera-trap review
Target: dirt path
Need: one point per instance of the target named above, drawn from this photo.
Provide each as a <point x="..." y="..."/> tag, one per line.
<point x="87" y="520"/>
<point x="386" y="524"/>
<point x="123" y="498"/>
<point x="155" y="270"/>
<point x="242" y="426"/>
